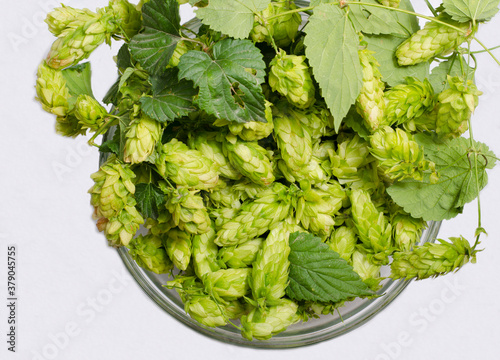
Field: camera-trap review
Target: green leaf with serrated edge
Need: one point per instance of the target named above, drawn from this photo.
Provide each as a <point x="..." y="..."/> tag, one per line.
<point x="231" y="17"/>
<point x="407" y="21"/>
<point x="317" y="273"/>
<point x="452" y="67"/>
<point x="123" y="59"/>
<point x="385" y="46"/>
<point x="457" y="179"/>
<point x="171" y="99"/>
<point x="374" y="20"/>
<point x="149" y="198"/>
<point x="78" y="79"/>
<point x="111" y="96"/>
<point x="467" y="10"/>
<point x="126" y="75"/>
<point x="154" y="47"/>
<point x="112" y="145"/>
<point x="227" y="90"/>
<point x="332" y="49"/>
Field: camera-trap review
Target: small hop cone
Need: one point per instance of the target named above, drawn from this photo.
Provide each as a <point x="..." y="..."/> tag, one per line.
<point x="391" y="3"/>
<point x="161" y="225"/>
<point x="282" y="29"/>
<point x="188" y="211"/>
<point x="432" y="259"/>
<point x="252" y="130"/>
<point x="178" y="245"/>
<point x="90" y="114"/>
<point x="367" y="271"/>
<point x="406" y="230"/>
<point x="69" y="126"/>
<point x="433" y="40"/>
<point x="149" y="253"/>
<point x="187" y="167"/>
<point x="180" y="49"/>
<point x="226" y="197"/>
<point x="250" y="159"/>
<point x="399" y="155"/>
<point x="262" y="324"/>
<point x="113" y="188"/>
<point x="206" y="143"/>
<point x="242" y="255"/>
<point x="343" y="241"/>
<point x="410" y="101"/>
<point x="141" y="138"/>
<point x="317" y="119"/>
<point x="227" y="284"/>
<point x="291" y="77"/>
<point x="374" y="230"/>
<point x="64" y="19"/>
<point x="370" y="103"/>
<point x="351" y="155"/>
<point x="455" y="107"/>
<point x="52" y="91"/>
<point x="205" y="253"/>
<point x="321" y="150"/>
<point x="120" y="229"/>
<point x="127" y="17"/>
<point x="270" y="269"/>
<point x="255" y="217"/>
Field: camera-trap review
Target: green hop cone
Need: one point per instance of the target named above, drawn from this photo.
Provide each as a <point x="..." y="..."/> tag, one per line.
<point x="52" y="91"/>
<point x="69" y="126"/>
<point x="132" y="90"/>
<point x="242" y="255"/>
<point x="432" y="259"/>
<point x="399" y="155"/>
<point x="370" y="103"/>
<point x="188" y="211"/>
<point x="187" y="167"/>
<point x="321" y="150"/>
<point x="455" y="107"/>
<point x="317" y="119"/>
<point x="65" y="18"/>
<point x="367" y="271"/>
<point x="317" y="207"/>
<point x="206" y="143"/>
<point x="391" y="3"/>
<point x="262" y="324"/>
<point x="249" y="158"/>
<point x="343" y="241"/>
<point x="269" y="277"/>
<point x="178" y="245"/>
<point x="113" y="188"/>
<point x="434" y="39"/>
<point x="227" y="284"/>
<point x="406" y="230"/>
<point x="90" y="114"/>
<point x="127" y="17"/>
<point x="162" y="224"/>
<point x="226" y="197"/>
<point x="282" y="29"/>
<point x="78" y="40"/>
<point x="149" y="253"/>
<point x="405" y="102"/>
<point x="180" y="49"/>
<point x="291" y="77"/>
<point x="374" y="230"/>
<point x="121" y="228"/>
<point x="204" y="253"/>
<point x="141" y="138"/>
<point x="255" y="217"/>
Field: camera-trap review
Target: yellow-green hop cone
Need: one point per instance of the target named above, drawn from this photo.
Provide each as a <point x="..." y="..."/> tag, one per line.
<point x="291" y="77"/>
<point x="262" y="324"/>
<point x="141" y="138"/>
<point x="343" y="241"/>
<point x="367" y="271"/>
<point x="282" y="29"/>
<point x="432" y="259"/>
<point x="317" y="119"/>
<point x="180" y="49"/>
<point x="321" y="150"/>
<point x="206" y="143"/>
<point x="391" y="3"/>
<point x="250" y="159"/>
<point x="256" y="217"/>
<point x="399" y="155"/>
<point x="370" y="103"/>
<point x="374" y="230"/>
<point x="120" y="229"/>
<point x="149" y="253"/>
<point x="113" y="188"/>
<point x="187" y="167"/>
<point x="455" y="107"/>
<point x="406" y="231"/>
<point x="226" y="197"/>
<point x="434" y="39"/>
<point x="126" y="16"/>
<point x="269" y="277"/>
<point x="69" y="126"/>
<point x="227" y="284"/>
<point x="408" y="101"/>
<point x="52" y="91"/>
<point x="251" y="130"/>
<point x="204" y="253"/>
<point x="161" y="225"/>
<point x="188" y="211"/>
<point x="178" y="245"/>
<point x="242" y="255"/>
<point x="90" y="114"/>
<point x="65" y="18"/>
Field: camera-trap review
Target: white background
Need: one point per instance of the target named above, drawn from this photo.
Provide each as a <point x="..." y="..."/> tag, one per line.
<point x="64" y="264"/>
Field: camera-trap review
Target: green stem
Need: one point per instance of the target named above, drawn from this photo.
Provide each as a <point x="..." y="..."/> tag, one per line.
<point x="101" y="130"/>
<point x="431" y="8"/>
<point x="486" y="49"/>
<point x="304" y="9"/>
<point x="483" y="51"/>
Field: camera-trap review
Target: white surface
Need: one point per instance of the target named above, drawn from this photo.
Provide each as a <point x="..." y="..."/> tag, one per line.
<point x="64" y="263"/>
